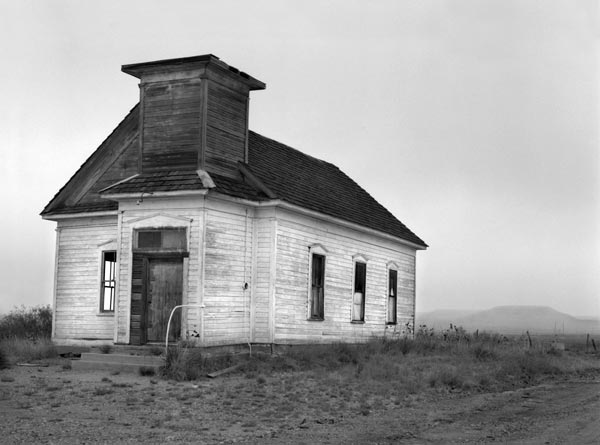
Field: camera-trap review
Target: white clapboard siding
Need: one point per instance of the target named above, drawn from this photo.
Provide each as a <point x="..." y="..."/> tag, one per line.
<point x="263" y="258"/>
<point x="295" y="235"/>
<point x="227" y="270"/>
<point x="78" y="273"/>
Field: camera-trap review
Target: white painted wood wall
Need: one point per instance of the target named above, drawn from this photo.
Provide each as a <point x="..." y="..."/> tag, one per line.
<point x="231" y="244"/>
<point x="80" y="243"/>
<point x="295" y="234"/>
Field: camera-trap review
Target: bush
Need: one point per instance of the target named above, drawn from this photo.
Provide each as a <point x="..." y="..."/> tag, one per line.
<point x="27" y="323"/>
<point x="447" y="376"/>
<point x="3" y="360"/>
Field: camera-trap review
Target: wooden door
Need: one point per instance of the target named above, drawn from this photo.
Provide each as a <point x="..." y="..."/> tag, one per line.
<point x="163" y="292"/>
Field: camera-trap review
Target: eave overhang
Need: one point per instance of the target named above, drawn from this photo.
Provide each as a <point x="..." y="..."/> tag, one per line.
<point x="195" y="63"/>
<point x="61" y="216"/>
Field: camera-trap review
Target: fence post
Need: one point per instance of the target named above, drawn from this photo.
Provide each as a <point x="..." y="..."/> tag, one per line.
<point x="587" y="343"/>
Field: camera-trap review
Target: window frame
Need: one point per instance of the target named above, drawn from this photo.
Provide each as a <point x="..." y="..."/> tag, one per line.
<point x="392" y="270"/>
<point x="319" y="251"/>
<point x="161" y="231"/>
<point x="362" y="261"/>
<point x="112" y="281"/>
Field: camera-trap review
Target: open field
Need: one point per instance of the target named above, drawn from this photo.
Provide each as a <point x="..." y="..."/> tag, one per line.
<point x="390" y="392"/>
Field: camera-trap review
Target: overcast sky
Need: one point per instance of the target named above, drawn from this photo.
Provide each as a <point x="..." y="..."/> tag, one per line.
<point x="475" y="122"/>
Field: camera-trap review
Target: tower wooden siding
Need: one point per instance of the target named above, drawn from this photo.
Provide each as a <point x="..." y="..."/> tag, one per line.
<point x="226" y="133"/>
<point x="194" y="115"/>
<point x="171" y="116"/>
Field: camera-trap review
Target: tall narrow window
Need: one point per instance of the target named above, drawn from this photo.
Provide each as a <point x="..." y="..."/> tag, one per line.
<point x="392" y="295"/>
<point x="107" y="293"/>
<point x="317" y="295"/>
<point x="358" y="300"/>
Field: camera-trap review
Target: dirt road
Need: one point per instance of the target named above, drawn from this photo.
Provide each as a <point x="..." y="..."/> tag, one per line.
<point x="53" y="405"/>
<point x="557" y="413"/>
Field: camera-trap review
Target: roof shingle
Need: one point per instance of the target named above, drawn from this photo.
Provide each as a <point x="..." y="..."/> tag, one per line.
<point x="320" y="186"/>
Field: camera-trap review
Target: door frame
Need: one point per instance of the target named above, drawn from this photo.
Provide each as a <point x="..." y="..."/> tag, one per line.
<point x="146" y="257"/>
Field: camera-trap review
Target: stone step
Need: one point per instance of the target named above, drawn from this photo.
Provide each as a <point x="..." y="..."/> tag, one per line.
<point x="116" y="362"/>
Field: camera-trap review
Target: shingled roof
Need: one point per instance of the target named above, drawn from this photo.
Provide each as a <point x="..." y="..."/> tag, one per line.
<point x="288" y="175"/>
<point x="320" y="186"/>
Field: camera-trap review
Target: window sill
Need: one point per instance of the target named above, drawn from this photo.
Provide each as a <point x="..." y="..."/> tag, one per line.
<point x="315" y="319"/>
<point x="105" y="314"/>
<point x="357" y="322"/>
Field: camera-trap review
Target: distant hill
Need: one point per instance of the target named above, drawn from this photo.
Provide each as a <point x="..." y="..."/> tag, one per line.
<point x="511" y="320"/>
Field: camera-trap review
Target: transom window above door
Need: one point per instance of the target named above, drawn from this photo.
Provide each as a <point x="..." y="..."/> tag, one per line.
<point x="165" y="238"/>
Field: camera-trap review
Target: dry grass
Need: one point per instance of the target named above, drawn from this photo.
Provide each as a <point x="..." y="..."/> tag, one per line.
<point x="188" y="363"/>
<point x="387" y="371"/>
<point x="24" y="350"/>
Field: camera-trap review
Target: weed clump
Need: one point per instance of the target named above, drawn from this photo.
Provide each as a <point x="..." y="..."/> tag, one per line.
<point x="446" y="376"/>
<point x="105" y="349"/>
<point x="261" y="380"/>
<point x="183" y="363"/>
<point x="148" y="371"/>
<point x="156" y="350"/>
<point x="483" y="353"/>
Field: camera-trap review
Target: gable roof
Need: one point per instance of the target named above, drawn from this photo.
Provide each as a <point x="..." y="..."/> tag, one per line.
<point x="282" y="172"/>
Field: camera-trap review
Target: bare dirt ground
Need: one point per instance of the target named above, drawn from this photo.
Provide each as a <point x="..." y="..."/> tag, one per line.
<point x="56" y="405"/>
